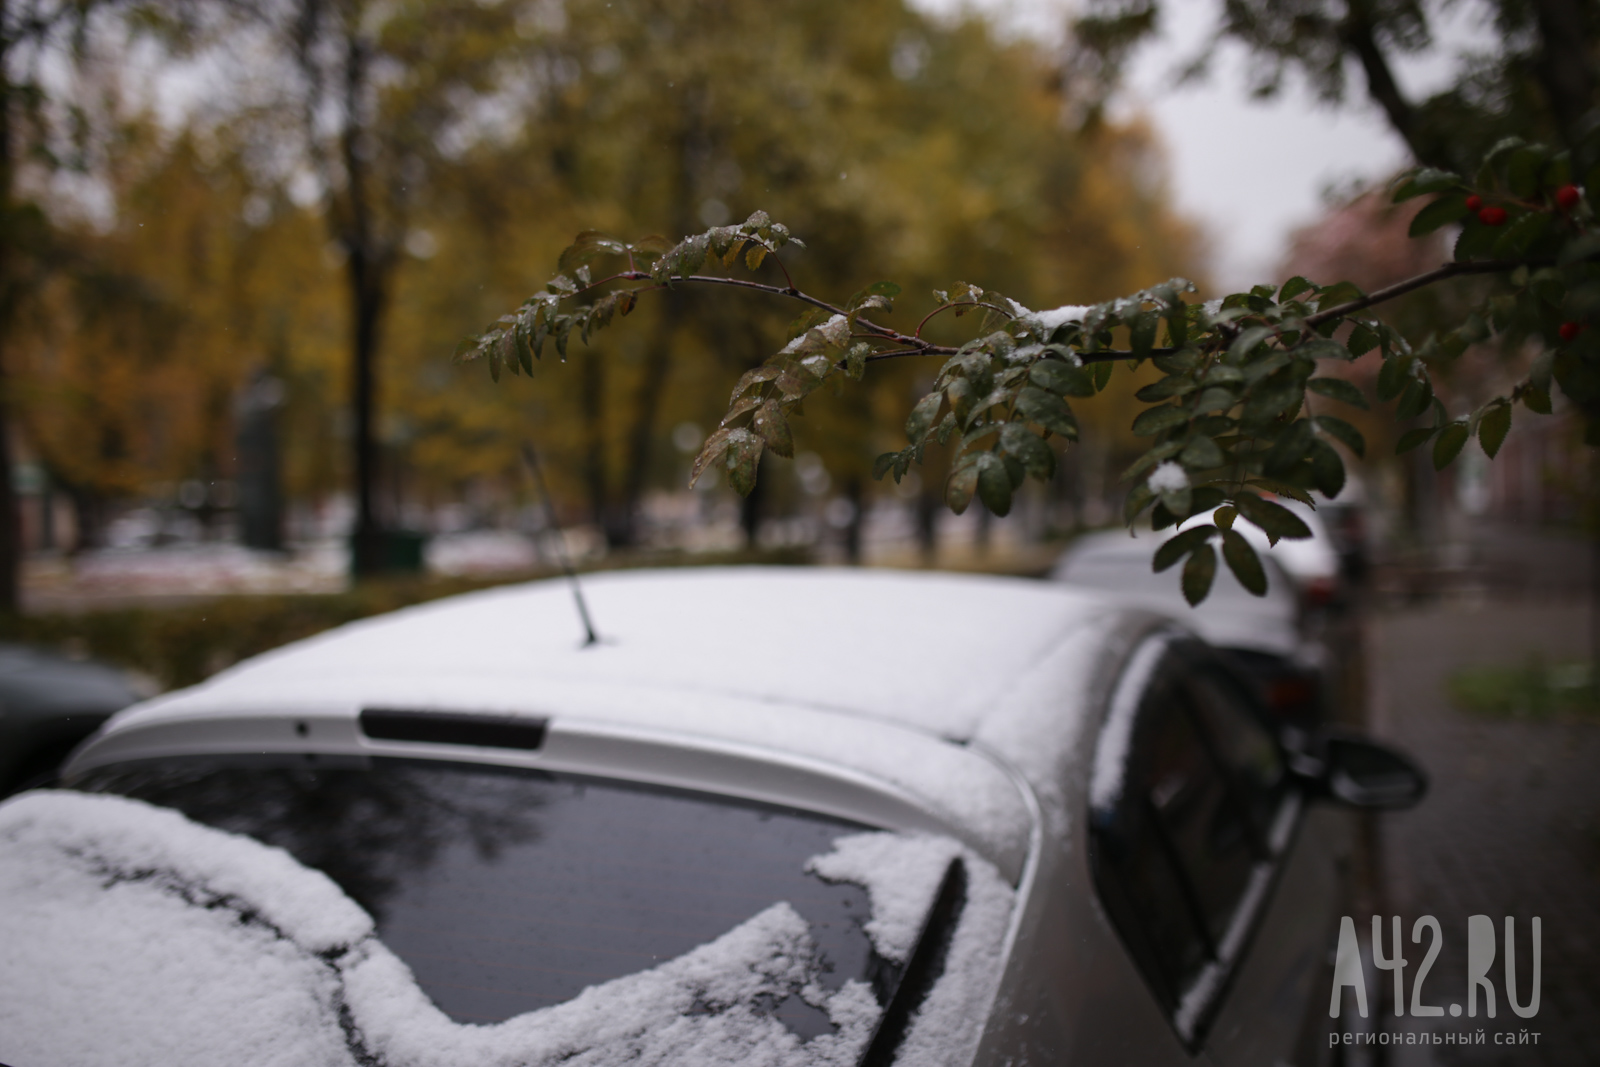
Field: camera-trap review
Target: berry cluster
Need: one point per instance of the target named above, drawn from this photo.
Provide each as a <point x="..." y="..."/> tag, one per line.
<point x="1567" y="198"/>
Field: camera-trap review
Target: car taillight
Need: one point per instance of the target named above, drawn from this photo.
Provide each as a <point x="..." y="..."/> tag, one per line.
<point x="1290" y="694"/>
<point x="1319" y="592"/>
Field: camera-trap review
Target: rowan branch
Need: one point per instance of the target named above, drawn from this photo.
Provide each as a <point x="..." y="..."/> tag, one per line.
<point x="1449" y="270"/>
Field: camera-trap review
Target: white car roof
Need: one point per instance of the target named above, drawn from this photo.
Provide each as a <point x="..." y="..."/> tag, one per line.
<point x="946" y="686"/>
<point x="1119" y="565"/>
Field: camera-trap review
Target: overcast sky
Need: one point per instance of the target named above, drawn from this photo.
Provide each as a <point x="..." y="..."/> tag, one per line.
<point x="1248" y="172"/>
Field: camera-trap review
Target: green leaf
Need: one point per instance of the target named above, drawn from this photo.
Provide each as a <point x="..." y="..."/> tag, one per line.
<point x="715" y="447"/>
<point x="1199" y="573"/>
<point x="1524" y="230"/>
<point x="883" y="464"/>
<point x="1327" y="469"/>
<point x="1415" y="400"/>
<point x="1100" y="374"/>
<point x="1338" y="389"/>
<point x="1393" y="376"/>
<point x="1522" y="170"/>
<point x="1202" y="453"/>
<point x="1493" y="426"/>
<point x="1205" y="497"/>
<point x="994" y="483"/>
<point x="1294" y="287"/>
<point x="1215" y="399"/>
<point x="1176" y="547"/>
<point x="1142" y="333"/>
<point x="1029" y="449"/>
<point x="1265" y="405"/>
<point x="1061" y="378"/>
<point x="1155" y="420"/>
<point x="960" y="487"/>
<point x="921" y="418"/>
<point x="585" y="247"/>
<point x="1412" y="438"/>
<point x="1275" y="520"/>
<point x="1224" y="516"/>
<point x="1293" y="442"/>
<point x="1247" y="341"/>
<point x="742" y="460"/>
<point x="1452" y="207"/>
<point x="1283" y="489"/>
<point x="770" y="423"/>
<point x="1177" y="323"/>
<point x="855" y="360"/>
<point x="1448" y="446"/>
<point x="1166" y="388"/>
<point x="1048" y="410"/>
<point x="1243" y="562"/>
<point x="1342" y="432"/>
<point x="1361" y="341"/>
<point x="1342" y="293"/>
<point x="1476" y="240"/>
<point x="1323" y="348"/>
<point x="1426" y="180"/>
<point x="1139" y="498"/>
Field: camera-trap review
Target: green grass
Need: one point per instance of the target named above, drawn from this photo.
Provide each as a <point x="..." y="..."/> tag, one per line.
<point x="1533" y="690"/>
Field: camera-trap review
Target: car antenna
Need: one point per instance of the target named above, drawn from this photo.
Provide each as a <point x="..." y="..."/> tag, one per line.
<point x="531" y="458"/>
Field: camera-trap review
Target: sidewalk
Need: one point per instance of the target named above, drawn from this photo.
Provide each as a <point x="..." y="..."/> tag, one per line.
<point x="1511" y="826"/>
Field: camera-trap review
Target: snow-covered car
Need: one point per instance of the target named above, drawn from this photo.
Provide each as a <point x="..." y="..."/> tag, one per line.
<point x="773" y="817"/>
<point x="1269" y="637"/>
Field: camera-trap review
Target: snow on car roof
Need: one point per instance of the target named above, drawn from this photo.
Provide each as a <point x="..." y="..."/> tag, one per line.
<point x="924" y="651"/>
<point x="831" y="662"/>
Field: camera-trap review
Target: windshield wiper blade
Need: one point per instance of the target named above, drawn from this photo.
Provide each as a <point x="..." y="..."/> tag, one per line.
<point x="922" y="970"/>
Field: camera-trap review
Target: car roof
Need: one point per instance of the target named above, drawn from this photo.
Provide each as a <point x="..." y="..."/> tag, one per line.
<point x="949" y="686"/>
<point x="1229" y="618"/>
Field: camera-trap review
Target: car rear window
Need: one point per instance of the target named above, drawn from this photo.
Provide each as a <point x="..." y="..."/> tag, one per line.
<point x="510" y="890"/>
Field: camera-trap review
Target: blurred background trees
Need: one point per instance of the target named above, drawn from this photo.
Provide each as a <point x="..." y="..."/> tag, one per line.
<point x="290" y="198"/>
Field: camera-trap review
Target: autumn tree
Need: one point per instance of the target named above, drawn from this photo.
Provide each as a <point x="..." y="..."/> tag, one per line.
<point x="906" y="147"/>
<point x="131" y="360"/>
<point x="364" y="105"/>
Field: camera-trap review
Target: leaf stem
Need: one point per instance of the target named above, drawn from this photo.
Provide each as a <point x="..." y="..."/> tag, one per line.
<point x="960" y="304"/>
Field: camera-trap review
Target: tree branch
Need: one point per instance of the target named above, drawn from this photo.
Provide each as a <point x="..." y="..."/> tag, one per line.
<point x="1449" y="270"/>
<point x="884" y="332"/>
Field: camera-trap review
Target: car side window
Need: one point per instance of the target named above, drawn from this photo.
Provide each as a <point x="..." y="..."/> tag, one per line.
<point x="1187" y="790"/>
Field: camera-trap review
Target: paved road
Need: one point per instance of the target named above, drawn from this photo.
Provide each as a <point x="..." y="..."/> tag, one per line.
<point x="1512" y="826"/>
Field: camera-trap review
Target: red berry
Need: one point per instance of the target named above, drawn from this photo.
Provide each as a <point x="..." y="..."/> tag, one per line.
<point x="1492" y="216"/>
<point x="1568" y="196"/>
<point x="1474" y="202"/>
<point x="1569" y="330"/>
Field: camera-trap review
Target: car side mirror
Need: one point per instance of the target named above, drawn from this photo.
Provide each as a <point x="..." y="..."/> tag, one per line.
<point x="1361" y="773"/>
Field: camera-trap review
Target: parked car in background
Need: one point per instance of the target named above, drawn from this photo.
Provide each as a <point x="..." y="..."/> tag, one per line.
<point x="1312" y="563"/>
<point x="49" y="703"/>
<point x="1271" y="637"/>
<point x="784" y="816"/>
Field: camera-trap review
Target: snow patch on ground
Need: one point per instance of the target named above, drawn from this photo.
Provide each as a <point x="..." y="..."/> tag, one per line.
<point x="183" y="944"/>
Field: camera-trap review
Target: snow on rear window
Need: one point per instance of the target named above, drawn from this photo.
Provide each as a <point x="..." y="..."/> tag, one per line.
<point x="183" y="944"/>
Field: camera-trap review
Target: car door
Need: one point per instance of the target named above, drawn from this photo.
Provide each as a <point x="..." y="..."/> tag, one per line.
<point x="1193" y="820"/>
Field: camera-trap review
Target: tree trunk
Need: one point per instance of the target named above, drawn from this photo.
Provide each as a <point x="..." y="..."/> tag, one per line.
<point x="367" y="298"/>
<point x="369" y="258"/>
<point x="10" y="517"/>
<point x="1361" y="41"/>
<point x="591" y="396"/>
<point x="624" y="529"/>
<point x="1564" y="69"/>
